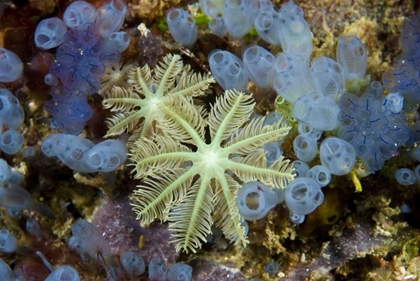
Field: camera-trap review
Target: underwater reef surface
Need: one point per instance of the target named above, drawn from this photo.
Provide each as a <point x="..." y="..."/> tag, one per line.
<point x="373" y="234"/>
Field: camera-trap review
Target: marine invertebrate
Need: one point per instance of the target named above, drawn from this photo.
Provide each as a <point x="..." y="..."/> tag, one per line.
<point x="138" y="106"/>
<point x="192" y="182"/>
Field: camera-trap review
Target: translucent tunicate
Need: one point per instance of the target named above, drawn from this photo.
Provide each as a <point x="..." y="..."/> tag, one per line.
<point x="78" y="13"/>
<point x="228" y="70"/>
<point x="405" y="176"/>
<point x="320" y="174"/>
<point x="295" y="34"/>
<point x="328" y="77"/>
<point x="303" y="196"/>
<point x="305" y="147"/>
<point x="258" y="63"/>
<point x="299" y="168"/>
<point x="179" y="271"/>
<point x="49" y="33"/>
<point x="337" y="155"/>
<point x="182" y="27"/>
<point x="316" y="110"/>
<point x="352" y="55"/>
<point x="255" y="200"/>
<point x="132" y="263"/>
<point x="238" y="16"/>
<point x="11" y="67"/>
<point x="267" y="25"/>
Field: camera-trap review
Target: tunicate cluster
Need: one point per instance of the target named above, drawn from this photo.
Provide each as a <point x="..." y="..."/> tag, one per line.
<point x="82" y="155"/>
<point x="91" y="44"/>
<point x="404" y="76"/>
<point x="374" y="127"/>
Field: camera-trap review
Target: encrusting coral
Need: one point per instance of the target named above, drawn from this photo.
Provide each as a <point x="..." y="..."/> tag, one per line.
<point x="193" y="183"/>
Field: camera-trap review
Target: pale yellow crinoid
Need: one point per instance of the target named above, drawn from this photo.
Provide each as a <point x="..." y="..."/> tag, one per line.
<point x="193" y="183"/>
<point x="137" y="106"/>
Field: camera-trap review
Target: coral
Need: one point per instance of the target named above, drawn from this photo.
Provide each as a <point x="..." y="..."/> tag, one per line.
<point x="118" y="224"/>
<point x="149" y="47"/>
<point x="192" y="188"/>
<point x="138" y="106"/>
<point x="211" y="271"/>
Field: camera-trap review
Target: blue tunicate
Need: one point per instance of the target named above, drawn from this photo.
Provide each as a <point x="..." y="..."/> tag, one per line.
<point x="272" y="117"/>
<point x="267" y="25"/>
<point x="405" y="209"/>
<point x="255" y="200"/>
<point x="72" y="150"/>
<point x="374" y="127"/>
<point x="280" y="194"/>
<point x="394" y="102"/>
<point x="320" y="174"/>
<point x="63" y="273"/>
<point x="337" y="155"/>
<point x="238" y="16"/>
<point x="15" y="198"/>
<point x="403" y="78"/>
<point x="179" y="272"/>
<point x="50" y="80"/>
<point x="303" y="196"/>
<point x="132" y="263"/>
<point x="69" y="109"/>
<point x="375" y="89"/>
<point x="157" y="269"/>
<point x="5" y="171"/>
<point x="228" y="70"/>
<point x="305" y="147"/>
<point x="33" y="227"/>
<point x="28" y="152"/>
<point x="53" y="145"/>
<point x="106" y="156"/>
<point x="11" y="112"/>
<point x="272" y="152"/>
<point x="307" y="129"/>
<point x="49" y="33"/>
<point x="299" y="168"/>
<point x="258" y="63"/>
<point x="111" y="16"/>
<point x="5" y="272"/>
<point x="8" y="243"/>
<point x="117" y="41"/>
<point x="11" y="141"/>
<point x="405" y="176"/>
<point x="81" y="60"/>
<point x="88" y="241"/>
<point x="328" y="77"/>
<point x="16" y="177"/>
<point x="295" y="34"/>
<point x="410" y="36"/>
<point x="417" y="172"/>
<point x="212" y="8"/>
<point x="182" y="27"/>
<point x="292" y="76"/>
<point x="352" y="55"/>
<point x="295" y="218"/>
<point x="217" y="26"/>
<point x="316" y="110"/>
<point x="272" y="268"/>
<point x="11" y="67"/>
<point x="78" y="13"/>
